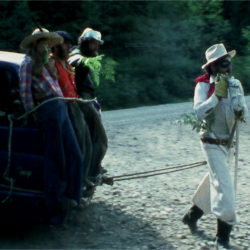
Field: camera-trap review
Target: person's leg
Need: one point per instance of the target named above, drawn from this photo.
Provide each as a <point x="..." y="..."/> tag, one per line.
<point x="223" y="235"/>
<point x="98" y="136"/>
<point x="74" y="161"/>
<point x="88" y="154"/>
<point x="82" y="134"/>
<point x="50" y="117"/>
<point x="222" y="194"/>
<point x="201" y="201"/>
<point x="191" y="218"/>
<point x="201" y="197"/>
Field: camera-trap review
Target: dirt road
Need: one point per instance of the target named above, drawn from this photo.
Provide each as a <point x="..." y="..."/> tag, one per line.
<point x="144" y="213"/>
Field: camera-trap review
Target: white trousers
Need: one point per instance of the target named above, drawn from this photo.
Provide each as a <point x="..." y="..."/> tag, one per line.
<point x="216" y="191"/>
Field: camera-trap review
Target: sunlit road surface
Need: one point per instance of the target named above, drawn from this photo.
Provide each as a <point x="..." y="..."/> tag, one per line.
<point x="150" y="114"/>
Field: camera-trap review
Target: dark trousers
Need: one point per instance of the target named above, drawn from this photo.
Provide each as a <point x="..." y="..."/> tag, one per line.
<point x="98" y="137"/>
<point x="82" y="134"/>
<point x="63" y="168"/>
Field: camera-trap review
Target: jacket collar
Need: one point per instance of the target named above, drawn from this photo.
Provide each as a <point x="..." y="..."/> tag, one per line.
<point x="212" y="79"/>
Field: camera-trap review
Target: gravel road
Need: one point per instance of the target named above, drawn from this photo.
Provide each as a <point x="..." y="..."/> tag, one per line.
<point x="144" y="213"/>
<point x="151" y="114"/>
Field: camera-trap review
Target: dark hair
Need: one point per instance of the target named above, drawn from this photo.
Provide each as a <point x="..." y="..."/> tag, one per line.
<point x="216" y="63"/>
<point x="66" y="36"/>
<point x="208" y="69"/>
<point x="84" y="48"/>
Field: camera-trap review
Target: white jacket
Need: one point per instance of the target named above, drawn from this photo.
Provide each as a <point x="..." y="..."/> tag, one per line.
<point x="220" y="113"/>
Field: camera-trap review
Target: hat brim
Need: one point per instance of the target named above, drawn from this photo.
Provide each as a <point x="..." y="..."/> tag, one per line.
<point x="27" y="41"/>
<point x="231" y="54"/>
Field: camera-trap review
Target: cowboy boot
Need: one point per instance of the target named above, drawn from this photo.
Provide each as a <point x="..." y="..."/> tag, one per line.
<point x="222" y="236"/>
<point x="191" y="218"/>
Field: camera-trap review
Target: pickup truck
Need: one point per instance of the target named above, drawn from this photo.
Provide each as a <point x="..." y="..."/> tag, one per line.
<point x="21" y="151"/>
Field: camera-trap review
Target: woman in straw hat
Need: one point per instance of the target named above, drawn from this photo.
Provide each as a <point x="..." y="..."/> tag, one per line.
<point x="63" y="163"/>
<point x="213" y="99"/>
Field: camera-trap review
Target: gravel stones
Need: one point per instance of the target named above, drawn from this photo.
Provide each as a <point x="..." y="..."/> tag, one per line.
<point x="145" y="213"/>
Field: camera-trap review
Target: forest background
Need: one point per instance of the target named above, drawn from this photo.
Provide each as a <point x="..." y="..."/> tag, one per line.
<point x="158" y="45"/>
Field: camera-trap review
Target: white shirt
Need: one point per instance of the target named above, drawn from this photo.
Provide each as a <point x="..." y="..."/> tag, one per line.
<point x="219" y="113"/>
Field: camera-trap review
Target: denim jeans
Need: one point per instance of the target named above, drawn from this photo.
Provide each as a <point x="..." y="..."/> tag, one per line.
<point x="63" y="168"/>
<point x="82" y="134"/>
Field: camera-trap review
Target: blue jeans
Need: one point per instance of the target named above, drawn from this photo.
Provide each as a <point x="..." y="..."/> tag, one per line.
<point x="63" y="168"/>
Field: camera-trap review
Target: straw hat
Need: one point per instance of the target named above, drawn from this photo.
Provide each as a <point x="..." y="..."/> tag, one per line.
<point x="215" y="52"/>
<point x="38" y="34"/>
<point x="89" y="33"/>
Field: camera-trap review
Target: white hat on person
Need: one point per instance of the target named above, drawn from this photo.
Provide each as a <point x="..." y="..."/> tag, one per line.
<point x="40" y="33"/>
<point x="215" y="52"/>
<point x="89" y="33"/>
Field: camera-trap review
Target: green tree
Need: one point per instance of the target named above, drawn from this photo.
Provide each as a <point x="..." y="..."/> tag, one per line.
<point x="15" y="22"/>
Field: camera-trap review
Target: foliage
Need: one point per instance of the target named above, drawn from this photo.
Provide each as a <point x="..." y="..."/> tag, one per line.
<point x="198" y="125"/>
<point x="100" y="67"/>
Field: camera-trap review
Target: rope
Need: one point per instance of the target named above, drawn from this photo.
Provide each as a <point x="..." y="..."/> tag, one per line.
<point x="53" y="99"/>
<point x="118" y="178"/>
<point x="157" y="170"/>
<point x="236" y="158"/>
<point x="22" y="189"/>
<point x="167" y="172"/>
<point x="7" y="171"/>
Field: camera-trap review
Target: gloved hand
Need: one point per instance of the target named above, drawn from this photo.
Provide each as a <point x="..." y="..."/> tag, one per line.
<point x="45" y="58"/>
<point x="243" y="114"/>
<point x="238" y="102"/>
<point x="221" y="85"/>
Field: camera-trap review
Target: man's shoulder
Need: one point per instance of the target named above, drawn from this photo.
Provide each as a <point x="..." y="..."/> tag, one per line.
<point x="75" y="52"/>
<point x="74" y="59"/>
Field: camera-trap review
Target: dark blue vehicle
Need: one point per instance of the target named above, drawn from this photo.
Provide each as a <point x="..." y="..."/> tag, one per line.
<point x="21" y="153"/>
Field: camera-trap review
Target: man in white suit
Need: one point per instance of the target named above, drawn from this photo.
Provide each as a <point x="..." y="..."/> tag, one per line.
<point x="218" y="96"/>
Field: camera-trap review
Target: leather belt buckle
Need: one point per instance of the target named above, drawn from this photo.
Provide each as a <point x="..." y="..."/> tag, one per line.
<point x="217" y="141"/>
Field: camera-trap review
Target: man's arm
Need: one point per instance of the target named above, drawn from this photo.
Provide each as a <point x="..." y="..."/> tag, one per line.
<point x="238" y="102"/>
<point x="203" y="106"/>
<point x="25" y="83"/>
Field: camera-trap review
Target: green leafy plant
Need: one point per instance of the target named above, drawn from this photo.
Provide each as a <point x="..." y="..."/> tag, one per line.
<point x="198" y="125"/>
<point x="100" y="66"/>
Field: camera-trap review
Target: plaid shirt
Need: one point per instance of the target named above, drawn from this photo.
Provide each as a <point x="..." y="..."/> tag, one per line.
<point x="29" y="84"/>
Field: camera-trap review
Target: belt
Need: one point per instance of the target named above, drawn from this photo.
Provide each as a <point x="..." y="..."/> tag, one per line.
<point x="215" y="141"/>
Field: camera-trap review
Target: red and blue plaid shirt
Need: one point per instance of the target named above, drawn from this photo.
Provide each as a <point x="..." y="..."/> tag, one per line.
<point x="29" y="83"/>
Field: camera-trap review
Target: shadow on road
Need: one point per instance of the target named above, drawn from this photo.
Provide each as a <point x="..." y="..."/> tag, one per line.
<point x="98" y="226"/>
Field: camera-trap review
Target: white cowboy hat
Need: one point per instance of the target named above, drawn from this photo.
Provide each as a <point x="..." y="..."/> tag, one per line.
<point x="38" y="34"/>
<point x="89" y="33"/>
<point x="215" y="52"/>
